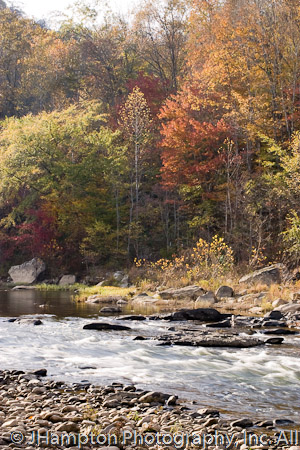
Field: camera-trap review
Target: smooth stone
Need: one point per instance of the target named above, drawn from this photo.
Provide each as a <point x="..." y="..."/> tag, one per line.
<point x="105" y="327"/>
<point x="224" y="292"/>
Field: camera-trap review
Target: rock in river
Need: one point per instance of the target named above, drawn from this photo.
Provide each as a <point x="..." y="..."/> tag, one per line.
<point x="201" y="314"/>
<point x="105" y="327"/>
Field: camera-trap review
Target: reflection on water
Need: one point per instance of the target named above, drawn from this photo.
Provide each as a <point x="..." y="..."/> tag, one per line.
<point x="59" y="303"/>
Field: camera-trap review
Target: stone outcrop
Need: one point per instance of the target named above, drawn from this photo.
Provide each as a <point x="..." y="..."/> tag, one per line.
<point x="206" y="300"/>
<point x="188" y="292"/>
<point x="144" y="299"/>
<point x="67" y="280"/>
<point x="28" y="272"/>
<point x="199" y="314"/>
<point x="267" y="275"/>
<point x="211" y="340"/>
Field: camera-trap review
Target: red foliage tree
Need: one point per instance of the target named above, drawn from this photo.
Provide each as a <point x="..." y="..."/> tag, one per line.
<point x="193" y="136"/>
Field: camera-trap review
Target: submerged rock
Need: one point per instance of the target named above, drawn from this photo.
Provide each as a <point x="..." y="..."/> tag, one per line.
<point x="110" y="310"/>
<point x="27" y="321"/>
<point x="212" y="341"/>
<point x="23" y="287"/>
<point x="103" y="299"/>
<point x="133" y="317"/>
<point x="105" y="327"/>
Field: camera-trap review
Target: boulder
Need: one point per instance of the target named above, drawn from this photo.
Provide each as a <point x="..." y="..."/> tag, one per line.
<point x="154" y="397"/>
<point x="216" y="340"/>
<point x="268" y="275"/>
<point x="28" y="272"/>
<point x="273" y="315"/>
<point x="278" y="302"/>
<point x="188" y="292"/>
<point x="103" y="299"/>
<point x="295" y="296"/>
<point x="224" y="292"/>
<point x="122" y="280"/>
<point x="256" y="310"/>
<point x="105" y="327"/>
<point x="201" y="314"/>
<point x="243" y="423"/>
<point x="66" y="280"/>
<point x="144" y="299"/>
<point x="206" y="300"/>
<point x="28" y="321"/>
<point x="289" y="307"/>
<point x="275" y="341"/>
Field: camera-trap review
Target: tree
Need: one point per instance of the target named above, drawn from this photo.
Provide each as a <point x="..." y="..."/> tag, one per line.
<point x="135" y="122"/>
<point x="57" y="163"/>
<point x="161" y="37"/>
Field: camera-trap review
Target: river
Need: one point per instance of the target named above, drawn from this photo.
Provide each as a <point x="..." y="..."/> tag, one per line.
<point x="261" y="383"/>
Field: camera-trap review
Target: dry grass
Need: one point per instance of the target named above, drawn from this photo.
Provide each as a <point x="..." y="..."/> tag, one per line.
<point x="104" y="291"/>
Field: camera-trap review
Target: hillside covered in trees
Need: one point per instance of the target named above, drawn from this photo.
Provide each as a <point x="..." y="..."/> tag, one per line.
<point x="124" y="140"/>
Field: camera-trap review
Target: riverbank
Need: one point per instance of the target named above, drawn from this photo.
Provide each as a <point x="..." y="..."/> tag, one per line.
<point x="37" y="412"/>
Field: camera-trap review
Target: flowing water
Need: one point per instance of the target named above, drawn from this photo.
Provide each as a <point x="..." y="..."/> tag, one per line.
<point x="262" y="382"/>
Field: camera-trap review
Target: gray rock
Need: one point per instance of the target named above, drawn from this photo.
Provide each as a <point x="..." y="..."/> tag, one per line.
<point x="232" y="341"/>
<point x="201" y="314"/>
<point x="144" y="299"/>
<point x="243" y="423"/>
<point x="206" y="300"/>
<point x="188" y="292"/>
<point x="273" y="315"/>
<point x="224" y="292"/>
<point x="154" y="397"/>
<point x="140" y="318"/>
<point x="278" y="302"/>
<point x="274" y="341"/>
<point x="121" y="279"/>
<point x="280" y="332"/>
<point x="66" y="280"/>
<point x="110" y="310"/>
<point x="223" y="324"/>
<point x="289" y="308"/>
<point x="23" y="287"/>
<point x="268" y="275"/>
<point x="273" y="323"/>
<point x="107" y="299"/>
<point x="28" y="272"/>
<point x="29" y="321"/>
<point x="105" y="327"/>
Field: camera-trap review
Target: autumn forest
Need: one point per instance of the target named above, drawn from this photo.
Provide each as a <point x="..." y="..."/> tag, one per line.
<point x="124" y="140"/>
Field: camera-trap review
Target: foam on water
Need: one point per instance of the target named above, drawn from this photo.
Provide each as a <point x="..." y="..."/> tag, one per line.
<point x="260" y="382"/>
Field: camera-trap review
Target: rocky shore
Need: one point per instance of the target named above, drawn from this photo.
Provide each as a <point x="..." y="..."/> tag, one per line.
<point x="37" y="412"/>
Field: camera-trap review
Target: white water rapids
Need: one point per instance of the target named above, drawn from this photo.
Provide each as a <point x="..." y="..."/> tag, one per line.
<point x="262" y="382"/>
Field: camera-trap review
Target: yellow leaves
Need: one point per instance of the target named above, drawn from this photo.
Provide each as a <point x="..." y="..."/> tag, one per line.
<point x="213" y="258"/>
